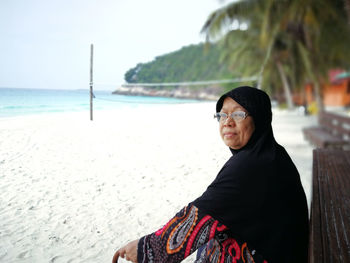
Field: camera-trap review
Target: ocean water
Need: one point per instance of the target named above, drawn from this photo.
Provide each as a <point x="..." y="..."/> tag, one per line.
<point x="17" y="102"/>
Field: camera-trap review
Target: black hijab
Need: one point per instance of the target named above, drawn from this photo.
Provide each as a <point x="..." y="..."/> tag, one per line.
<point x="258" y="194"/>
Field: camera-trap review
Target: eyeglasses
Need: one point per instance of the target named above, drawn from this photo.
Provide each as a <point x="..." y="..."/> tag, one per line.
<point x="237" y="116"/>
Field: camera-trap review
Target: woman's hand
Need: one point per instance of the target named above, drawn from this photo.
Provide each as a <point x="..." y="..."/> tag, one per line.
<point x="129" y="252"/>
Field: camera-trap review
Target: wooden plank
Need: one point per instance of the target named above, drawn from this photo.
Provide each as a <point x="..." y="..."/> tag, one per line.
<point x="333" y="131"/>
<point x="341" y="192"/>
<point x="315" y="247"/>
<point x="324" y="208"/>
<point x="336" y="124"/>
<point x="334" y="253"/>
<point x="330" y="207"/>
<point x="323" y="139"/>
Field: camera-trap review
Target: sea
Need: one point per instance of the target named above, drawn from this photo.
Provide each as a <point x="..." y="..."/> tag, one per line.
<point x="22" y="101"/>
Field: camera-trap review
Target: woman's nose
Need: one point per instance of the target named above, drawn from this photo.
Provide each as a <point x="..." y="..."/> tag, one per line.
<point x="229" y="121"/>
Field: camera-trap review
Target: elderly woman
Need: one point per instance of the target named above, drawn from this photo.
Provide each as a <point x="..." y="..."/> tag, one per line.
<point x="254" y="211"/>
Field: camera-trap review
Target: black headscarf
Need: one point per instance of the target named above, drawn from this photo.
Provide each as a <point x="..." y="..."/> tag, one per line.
<point x="258" y="194"/>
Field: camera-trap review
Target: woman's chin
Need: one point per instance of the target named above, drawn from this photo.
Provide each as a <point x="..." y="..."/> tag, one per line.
<point x="231" y="144"/>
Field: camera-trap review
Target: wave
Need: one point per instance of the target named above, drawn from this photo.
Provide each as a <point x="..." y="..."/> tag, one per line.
<point x="20" y="107"/>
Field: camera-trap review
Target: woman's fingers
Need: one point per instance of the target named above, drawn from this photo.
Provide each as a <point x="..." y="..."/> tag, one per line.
<point x="129" y="252"/>
<point x="119" y="253"/>
<point x="115" y="257"/>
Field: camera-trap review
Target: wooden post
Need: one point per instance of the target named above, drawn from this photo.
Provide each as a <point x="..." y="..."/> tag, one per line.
<point x="91" y="79"/>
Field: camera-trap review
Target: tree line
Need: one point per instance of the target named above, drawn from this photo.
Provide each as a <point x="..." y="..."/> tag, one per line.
<point x="199" y="62"/>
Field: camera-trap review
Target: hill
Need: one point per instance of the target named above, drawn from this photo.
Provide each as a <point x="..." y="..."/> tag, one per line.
<point x="199" y="62"/>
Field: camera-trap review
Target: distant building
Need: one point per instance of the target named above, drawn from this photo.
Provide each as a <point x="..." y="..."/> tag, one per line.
<point x="336" y="93"/>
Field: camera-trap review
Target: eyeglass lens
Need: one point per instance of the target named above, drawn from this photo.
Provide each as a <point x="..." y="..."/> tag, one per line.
<point x="236" y="116"/>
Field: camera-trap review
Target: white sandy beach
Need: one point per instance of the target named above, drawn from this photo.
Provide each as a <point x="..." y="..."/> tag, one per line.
<point x="73" y="190"/>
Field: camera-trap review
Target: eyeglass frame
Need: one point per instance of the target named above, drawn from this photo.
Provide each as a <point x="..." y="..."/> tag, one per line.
<point x="225" y="116"/>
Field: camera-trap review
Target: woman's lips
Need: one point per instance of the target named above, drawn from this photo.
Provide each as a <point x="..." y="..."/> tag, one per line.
<point x="229" y="134"/>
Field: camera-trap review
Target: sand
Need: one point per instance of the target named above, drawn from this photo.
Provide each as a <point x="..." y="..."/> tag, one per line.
<point x="72" y="190"/>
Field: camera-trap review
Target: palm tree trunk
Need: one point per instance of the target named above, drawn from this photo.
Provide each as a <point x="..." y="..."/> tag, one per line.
<point x="318" y="96"/>
<point x="347" y="9"/>
<point x="286" y="87"/>
<point x="311" y="67"/>
<point x="262" y="68"/>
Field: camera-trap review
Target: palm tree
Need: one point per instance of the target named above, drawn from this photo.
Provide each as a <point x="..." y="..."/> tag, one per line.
<point x="252" y="45"/>
<point x="289" y="32"/>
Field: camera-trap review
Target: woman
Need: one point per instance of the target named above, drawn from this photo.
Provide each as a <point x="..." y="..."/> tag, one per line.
<point x="254" y="211"/>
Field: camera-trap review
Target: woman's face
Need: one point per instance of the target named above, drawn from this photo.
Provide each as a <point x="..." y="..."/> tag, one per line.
<point x="235" y="134"/>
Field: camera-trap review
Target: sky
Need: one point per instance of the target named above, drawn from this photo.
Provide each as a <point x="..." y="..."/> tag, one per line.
<point x="46" y="44"/>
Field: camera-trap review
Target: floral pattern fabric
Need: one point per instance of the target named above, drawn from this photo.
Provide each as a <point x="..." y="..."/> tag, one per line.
<point x="185" y="233"/>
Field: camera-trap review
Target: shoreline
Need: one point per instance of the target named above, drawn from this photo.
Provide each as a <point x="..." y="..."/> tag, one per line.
<point x="206" y="94"/>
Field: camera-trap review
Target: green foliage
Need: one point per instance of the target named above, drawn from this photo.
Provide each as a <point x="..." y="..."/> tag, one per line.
<point x="306" y="37"/>
<point x="191" y="63"/>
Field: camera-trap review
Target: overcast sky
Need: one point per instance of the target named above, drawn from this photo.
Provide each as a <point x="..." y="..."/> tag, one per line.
<point x="46" y="44"/>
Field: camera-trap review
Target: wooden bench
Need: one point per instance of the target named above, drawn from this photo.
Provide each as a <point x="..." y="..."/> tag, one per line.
<point x="330" y="207"/>
<point x="333" y="131"/>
